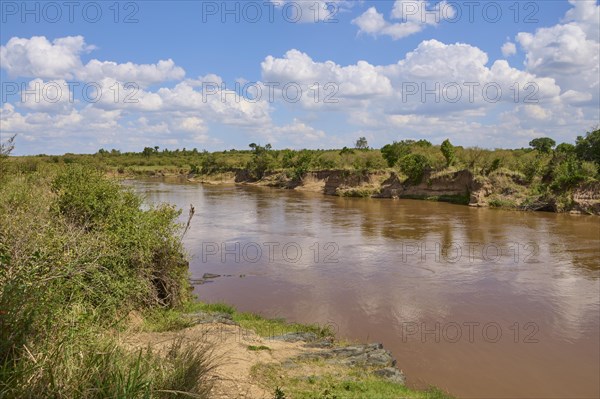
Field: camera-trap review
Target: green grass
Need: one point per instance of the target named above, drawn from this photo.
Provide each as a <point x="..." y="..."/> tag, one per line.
<point x="498" y="202"/>
<point x="358" y="192"/>
<point x="161" y="320"/>
<point x="318" y="380"/>
<point x="175" y="319"/>
<point x="98" y="367"/>
<point x="218" y="307"/>
<point x="274" y="327"/>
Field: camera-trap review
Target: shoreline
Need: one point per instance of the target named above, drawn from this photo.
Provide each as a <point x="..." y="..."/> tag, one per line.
<point x="258" y="356"/>
<point x="456" y="187"/>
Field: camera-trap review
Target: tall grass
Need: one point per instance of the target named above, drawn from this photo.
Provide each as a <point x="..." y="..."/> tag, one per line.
<point x="77" y="255"/>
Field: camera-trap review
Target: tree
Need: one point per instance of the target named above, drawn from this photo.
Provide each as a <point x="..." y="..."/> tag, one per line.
<point x="361" y="144"/>
<point x="262" y="161"/>
<point x="565" y="148"/>
<point x="393" y="152"/>
<point x="423" y="143"/>
<point x="413" y="166"/>
<point x="448" y="151"/>
<point x="542" y="144"/>
<point x="301" y="164"/>
<point x="148" y="151"/>
<point x="588" y="148"/>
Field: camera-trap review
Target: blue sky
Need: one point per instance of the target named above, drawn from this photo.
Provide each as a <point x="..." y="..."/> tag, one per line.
<point x="179" y="53"/>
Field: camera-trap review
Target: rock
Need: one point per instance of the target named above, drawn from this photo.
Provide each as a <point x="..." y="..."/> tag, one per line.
<point x="321" y="344"/>
<point x="210" y="275"/>
<point x="355" y="355"/>
<point x="391" y="374"/>
<point x="297" y="336"/>
<point x="206" y="318"/>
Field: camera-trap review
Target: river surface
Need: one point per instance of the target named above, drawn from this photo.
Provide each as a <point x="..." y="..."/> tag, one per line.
<point x="482" y="303"/>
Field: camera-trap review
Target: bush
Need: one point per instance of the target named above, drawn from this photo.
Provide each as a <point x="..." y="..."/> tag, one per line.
<point x="448" y="151"/>
<point x="570" y="172"/>
<point x="77" y="254"/>
<point x="368" y="161"/>
<point x="329" y="160"/>
<point x="81" y="242"/>
<point x="393" y="152"/>
<point x="413" y="166"/>
<point x="262" y="161"/>
<point x="588" y="148"/>
<point x="301" y="164"/>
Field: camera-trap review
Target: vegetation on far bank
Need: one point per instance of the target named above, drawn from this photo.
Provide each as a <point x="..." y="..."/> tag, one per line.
<point x="522" y="178"/>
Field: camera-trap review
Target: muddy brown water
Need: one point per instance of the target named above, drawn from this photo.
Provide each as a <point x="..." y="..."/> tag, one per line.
<point x="482" y="303"/>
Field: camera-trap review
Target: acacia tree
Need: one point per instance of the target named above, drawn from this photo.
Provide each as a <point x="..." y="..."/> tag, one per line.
<point x="148" y="151"/>
<point x="261" y="161"/>
<point x="542" y="144"/>
<point x="362" y="144"/>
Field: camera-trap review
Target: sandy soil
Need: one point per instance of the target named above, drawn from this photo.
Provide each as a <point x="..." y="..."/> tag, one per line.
<point x="230" y="350"/>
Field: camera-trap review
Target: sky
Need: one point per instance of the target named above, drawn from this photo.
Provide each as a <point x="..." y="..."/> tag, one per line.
<point x="80" y="76"/>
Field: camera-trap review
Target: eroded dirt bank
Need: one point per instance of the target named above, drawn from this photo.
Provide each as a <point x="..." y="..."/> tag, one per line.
<point x="501" y="190"/>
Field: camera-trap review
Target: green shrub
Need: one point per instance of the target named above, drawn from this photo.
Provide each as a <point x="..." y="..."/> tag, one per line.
<point x="413" y="166"/>
<point x="588" y="148"/>
<point x="77" y="253"/>
<point x="392" y="153"/>
<point x="448" y="151"/>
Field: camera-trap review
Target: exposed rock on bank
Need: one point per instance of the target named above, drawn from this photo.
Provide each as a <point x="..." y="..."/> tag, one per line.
<point x="236" y="352"/>
<point x="503" y="189"/>
<point x="586" y="199"/>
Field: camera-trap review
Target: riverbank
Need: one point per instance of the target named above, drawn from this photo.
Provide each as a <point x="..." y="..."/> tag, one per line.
<point x="260" y="358"/>
<point x="545" y="177"/>
<point x="501" y="189"/>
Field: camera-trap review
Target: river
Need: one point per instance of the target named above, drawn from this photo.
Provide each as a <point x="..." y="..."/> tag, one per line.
<point x="482" y="303"/>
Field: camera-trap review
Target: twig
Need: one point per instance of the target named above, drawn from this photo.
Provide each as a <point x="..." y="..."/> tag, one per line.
<point x="191" y="215"/>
